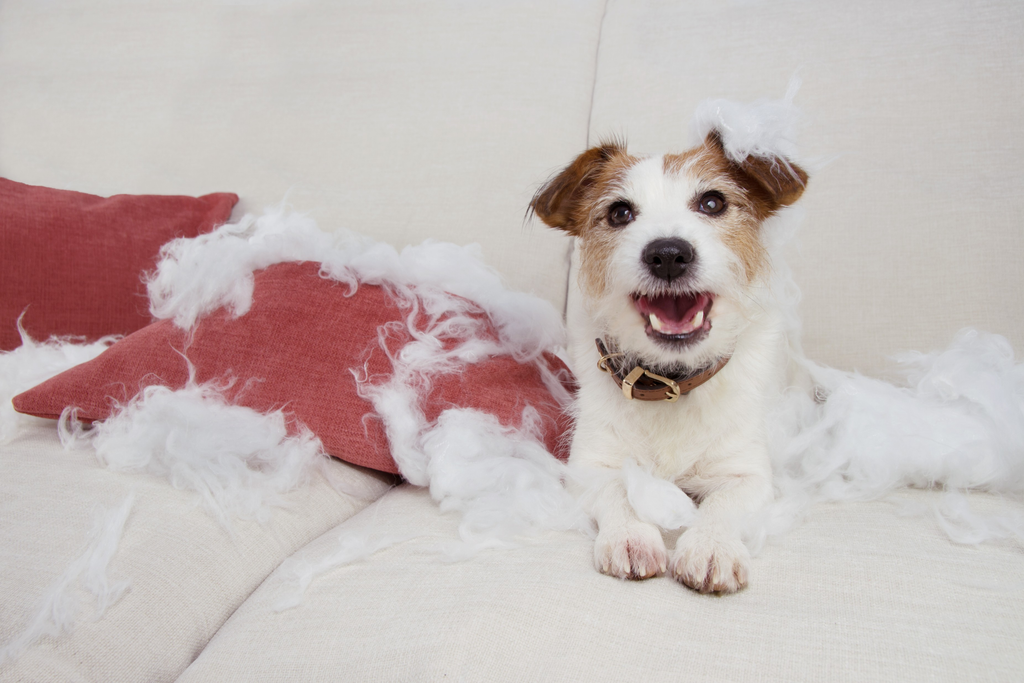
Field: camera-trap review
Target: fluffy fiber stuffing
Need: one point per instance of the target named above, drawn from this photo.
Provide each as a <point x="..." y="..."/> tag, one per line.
<point x="64" y="603"/>
<point x="32" y="363"/>
<point x="957" y="423"/>
<point x="239" y="461"/>
<point x="657" y="501"/>
<point x="197" y="276"/>
<point x="502" y="480"/>
<point x="297" y="573"/>
<point x="765" y="129"/>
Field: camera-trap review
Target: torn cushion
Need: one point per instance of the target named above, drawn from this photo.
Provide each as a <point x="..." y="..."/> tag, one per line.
<point x="73" y="262"/>
<point x="299" y="348"/>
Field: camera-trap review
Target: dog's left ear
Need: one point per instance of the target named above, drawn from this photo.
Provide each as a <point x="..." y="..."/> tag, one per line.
<point x="781" y="180"/>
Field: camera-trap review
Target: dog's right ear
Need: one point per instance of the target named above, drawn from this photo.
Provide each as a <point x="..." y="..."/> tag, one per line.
<point x="559" y="202"/>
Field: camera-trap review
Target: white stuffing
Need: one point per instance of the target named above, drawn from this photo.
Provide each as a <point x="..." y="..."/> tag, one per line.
<point x="766" y="129"/>
<point x="656" y="500"/>
<point x="297" y="572"/>
<point x="32" y="363"/>
<point x="197" y="276"/>
<point x="239" y="461"/>
<point x="958" y="423"/>
<point x="62" y="605"/>
<point x="440" y="287"/>
<point x="502" y="481"/>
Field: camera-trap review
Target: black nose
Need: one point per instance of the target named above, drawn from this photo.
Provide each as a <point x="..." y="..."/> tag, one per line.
<point x="668" y="258"/>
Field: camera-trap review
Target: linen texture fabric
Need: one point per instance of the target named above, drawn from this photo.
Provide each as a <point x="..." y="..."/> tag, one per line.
<point x="73" y="262"/>
<point x="296" y="349"/>
<point x="186" y="573"/>
<point x="843" y="598"/>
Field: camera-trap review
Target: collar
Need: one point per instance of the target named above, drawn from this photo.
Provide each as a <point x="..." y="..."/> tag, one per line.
<point x="644" y="385"/>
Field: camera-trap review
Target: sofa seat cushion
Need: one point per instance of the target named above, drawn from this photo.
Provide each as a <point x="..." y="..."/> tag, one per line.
<point x="856" y="593"/>
<point x="186" y="573"/>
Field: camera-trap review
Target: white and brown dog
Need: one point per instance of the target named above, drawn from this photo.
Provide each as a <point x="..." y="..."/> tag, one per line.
<point x="677" y="342"/>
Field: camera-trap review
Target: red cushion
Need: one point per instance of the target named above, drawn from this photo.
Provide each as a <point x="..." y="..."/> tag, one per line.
<point x="295" y="350"/>
<point x="75" y="261"/>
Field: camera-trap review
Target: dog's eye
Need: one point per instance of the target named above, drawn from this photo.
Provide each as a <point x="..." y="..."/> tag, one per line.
<point x="620" y="214"/>
<point x="712" y="203"/>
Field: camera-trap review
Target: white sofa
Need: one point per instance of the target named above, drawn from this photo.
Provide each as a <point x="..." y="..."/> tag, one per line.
<point x="407" y="120"/>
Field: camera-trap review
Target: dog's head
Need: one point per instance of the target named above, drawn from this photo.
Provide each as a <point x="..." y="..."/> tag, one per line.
<point x="672" y="259"/>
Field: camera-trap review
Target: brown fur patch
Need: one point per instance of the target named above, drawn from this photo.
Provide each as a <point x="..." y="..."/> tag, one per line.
<point x="577" y="201"/>
<point x="770" y="183"/>
<point x="754" y="191"/>
<point x="675" y="163"/>
<point x="740" y="225"/>
<point x="561" y="202"/>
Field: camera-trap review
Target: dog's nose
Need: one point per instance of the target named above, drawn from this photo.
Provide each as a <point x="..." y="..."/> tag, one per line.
<point x="668" y="258"/>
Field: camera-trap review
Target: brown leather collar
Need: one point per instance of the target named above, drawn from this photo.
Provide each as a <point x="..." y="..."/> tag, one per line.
<point x="644" y="385"/>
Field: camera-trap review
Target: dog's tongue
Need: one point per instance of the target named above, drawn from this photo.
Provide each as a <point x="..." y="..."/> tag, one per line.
<point x="674" y="314"/>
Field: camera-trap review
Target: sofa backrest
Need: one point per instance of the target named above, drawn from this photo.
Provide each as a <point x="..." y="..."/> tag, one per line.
<point x="407" y="120"/>
<point x="914" y="215"/>
<point x="401" y="120"/>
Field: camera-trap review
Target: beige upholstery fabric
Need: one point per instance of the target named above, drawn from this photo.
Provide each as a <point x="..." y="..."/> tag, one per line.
<point x="857" y="593"/>
<point x="187" y="573"/>
<point x="913" y="228"/>
<point x="411" y="120"/>
<point x="402" y="120"/>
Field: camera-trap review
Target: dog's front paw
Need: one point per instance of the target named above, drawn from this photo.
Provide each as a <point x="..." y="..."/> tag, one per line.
<point x="710" y="562"/>
<point x="633" y="551"/>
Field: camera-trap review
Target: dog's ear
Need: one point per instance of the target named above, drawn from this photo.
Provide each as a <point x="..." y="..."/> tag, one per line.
<point x="558" y="202"/>
<point x="780" y="180"/>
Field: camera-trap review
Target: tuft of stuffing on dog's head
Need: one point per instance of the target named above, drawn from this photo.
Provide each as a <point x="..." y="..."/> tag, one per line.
<point x="670" y="247"/>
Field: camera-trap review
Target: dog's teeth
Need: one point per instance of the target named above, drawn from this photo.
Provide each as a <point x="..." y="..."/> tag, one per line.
<point x="656" y="323"/>
<point x="698" y="319"/>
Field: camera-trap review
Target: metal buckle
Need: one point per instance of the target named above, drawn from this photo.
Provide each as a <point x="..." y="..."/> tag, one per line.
<point x="602" y="364"/>
<point x="636" y="373"/>
<point x="630" y="381"/>
<point x="673" y="389"/>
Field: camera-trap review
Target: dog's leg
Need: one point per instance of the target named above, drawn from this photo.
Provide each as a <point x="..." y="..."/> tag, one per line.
<point x="626" y="547"/>
<point x="710" y="556"/>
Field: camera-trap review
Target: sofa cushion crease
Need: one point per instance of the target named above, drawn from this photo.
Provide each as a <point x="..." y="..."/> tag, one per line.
<point x="187" y="573"/>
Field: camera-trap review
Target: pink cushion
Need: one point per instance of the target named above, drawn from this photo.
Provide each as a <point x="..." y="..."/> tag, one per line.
<point x="295" y="349"/>
<point x="73" y="261"/>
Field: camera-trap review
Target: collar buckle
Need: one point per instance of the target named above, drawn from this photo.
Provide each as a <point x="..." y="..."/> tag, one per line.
<point x="668" y="391"/>
<point x="629" y="381"/>
<point x="643" y="385"/>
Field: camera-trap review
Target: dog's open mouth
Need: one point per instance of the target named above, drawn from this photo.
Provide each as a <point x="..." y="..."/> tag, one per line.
<point x="675" y="318"/>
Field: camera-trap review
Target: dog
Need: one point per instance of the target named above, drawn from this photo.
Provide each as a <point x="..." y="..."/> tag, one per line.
<point x="677" y="342"/>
